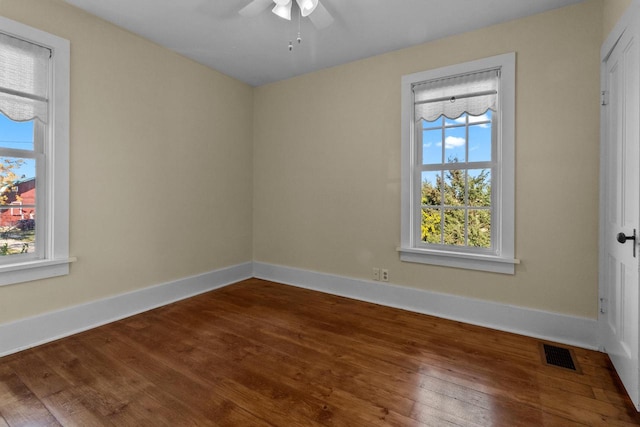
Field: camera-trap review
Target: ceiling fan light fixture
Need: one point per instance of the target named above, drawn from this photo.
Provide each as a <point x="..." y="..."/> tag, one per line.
<point x="307" y="6"/>
<point x="283" y="9"/>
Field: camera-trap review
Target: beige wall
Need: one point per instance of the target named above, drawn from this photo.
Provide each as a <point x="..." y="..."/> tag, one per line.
<point x="161" y="149"/>
<point x="150" y="129"/>
<point x="327" y="165"/>
<point x="612" y="10"/>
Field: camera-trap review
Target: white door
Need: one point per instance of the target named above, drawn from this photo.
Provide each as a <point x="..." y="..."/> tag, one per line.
<point x="621" y="201"/>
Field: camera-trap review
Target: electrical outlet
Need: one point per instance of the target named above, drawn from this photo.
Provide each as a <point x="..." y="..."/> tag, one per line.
<point x="376" y="273"/>
<point x="384" y="275"/>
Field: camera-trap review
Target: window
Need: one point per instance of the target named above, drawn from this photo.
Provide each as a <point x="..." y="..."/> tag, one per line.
<point x="458" y="165"/>
<point x="34" y="154"/>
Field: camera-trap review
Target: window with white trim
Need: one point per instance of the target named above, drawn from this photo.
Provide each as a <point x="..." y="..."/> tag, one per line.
<point x="458" y="165"/>
<point x="34" y="154"/>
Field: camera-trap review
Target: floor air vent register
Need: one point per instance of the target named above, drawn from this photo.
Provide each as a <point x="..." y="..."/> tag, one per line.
<point x="558" y="356"/>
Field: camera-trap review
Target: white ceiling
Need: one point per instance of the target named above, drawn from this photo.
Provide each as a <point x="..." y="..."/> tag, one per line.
<point x="255" y="50"/>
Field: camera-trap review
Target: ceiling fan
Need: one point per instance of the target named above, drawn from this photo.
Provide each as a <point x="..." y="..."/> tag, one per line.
<point x="312" y="9"/>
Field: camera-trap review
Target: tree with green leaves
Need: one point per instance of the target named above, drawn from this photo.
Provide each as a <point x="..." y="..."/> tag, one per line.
<point x="467" y="199"/>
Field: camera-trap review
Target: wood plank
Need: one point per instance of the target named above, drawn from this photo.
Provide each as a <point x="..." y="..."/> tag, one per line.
<point x="183" y="386"/>
<point x="312" y="376"/>
<point x="18" y="405"/>
<point x="243" y="385"/>
<point x="263" y="354"/>
<point x="70" y="409"/>
<point x="351" y="378"/>
<point x="37" y="375"/>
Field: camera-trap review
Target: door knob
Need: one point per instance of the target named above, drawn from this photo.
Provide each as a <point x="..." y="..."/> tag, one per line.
<point x="622" y="238"/>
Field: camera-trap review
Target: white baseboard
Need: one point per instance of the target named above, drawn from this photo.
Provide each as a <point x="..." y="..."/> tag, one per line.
<point x="33" y="331"/>
<point x="576" y="331"/>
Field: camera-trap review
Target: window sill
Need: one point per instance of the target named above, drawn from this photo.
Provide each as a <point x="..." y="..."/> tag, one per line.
<point x="34" y="270"/>
<point x="467" y="261"/>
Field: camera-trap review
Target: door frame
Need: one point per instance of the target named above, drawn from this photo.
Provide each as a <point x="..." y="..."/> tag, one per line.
<point x="631" y="14"/>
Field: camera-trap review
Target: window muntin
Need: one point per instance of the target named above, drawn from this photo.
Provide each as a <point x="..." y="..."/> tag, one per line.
<point x="480" y="130"/>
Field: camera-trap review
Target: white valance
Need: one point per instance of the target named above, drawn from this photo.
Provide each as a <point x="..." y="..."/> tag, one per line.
<point x="24" y="79"/>
<point x="474" y="93"/>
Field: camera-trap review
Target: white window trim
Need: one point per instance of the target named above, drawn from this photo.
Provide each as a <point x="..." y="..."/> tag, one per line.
<point x="503" y="261"/>
<point x="55" y="261"/>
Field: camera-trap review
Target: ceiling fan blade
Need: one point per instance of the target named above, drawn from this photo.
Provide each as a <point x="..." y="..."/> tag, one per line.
<point x="321" y="17"/>
<point x="254" y="8"/>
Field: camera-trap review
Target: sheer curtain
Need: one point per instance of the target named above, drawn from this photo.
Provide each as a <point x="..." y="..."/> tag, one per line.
<point x="473" y="93"/>
<point x="24" y="79"/>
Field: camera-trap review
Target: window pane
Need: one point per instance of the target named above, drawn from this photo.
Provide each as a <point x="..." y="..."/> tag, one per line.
<point x="454" y="227"/>
<point x="437" y="123"/>
<point x="455" y="122"/>
<point x="17" y="179"/>
<point x="455" y="144"/>
<point x="479" y="187"/>
<point x="431" y="188"/>
<point x="431" y="219"/>
<point x="480" y="143"/>
<point x="17" y="205"/>
<point x="432" y="146"/>
<point x="479" y="228"/>
<point x="17" y="231"/>
<point x="16" y="134"/>
<point x="481" y="119"/>
<point x="454" y="187"/>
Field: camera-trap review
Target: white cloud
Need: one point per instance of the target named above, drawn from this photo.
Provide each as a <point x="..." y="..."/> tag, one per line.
<point x="453" y="142"/>
<point x="474" y="119"/>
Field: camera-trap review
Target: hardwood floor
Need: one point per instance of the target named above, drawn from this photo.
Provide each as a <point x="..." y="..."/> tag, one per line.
<point x="262" y="354"/>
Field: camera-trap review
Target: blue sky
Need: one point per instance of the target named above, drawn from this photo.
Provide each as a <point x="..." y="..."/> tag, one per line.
<point x="18" y="135"/>
<point x="455" y="144"/>
<point x="454" y="140"/>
